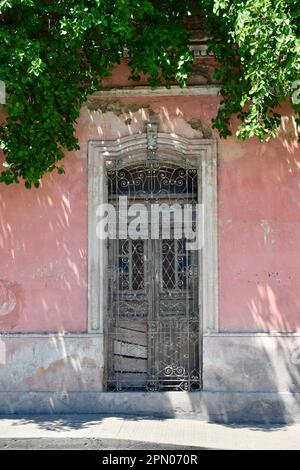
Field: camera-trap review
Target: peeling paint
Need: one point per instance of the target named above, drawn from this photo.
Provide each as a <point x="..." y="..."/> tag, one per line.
<point x="8" y="299"/>
<point x="75" y="361"/>
<point x="266" y="229"/>
<point x="198" y="125"/>
<point x="52" y="271"/>
<point x="98" y="103"/>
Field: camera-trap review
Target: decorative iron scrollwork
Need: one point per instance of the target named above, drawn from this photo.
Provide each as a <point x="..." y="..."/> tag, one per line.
<point x="153" y="318"/>
<point x="152" y="131"/>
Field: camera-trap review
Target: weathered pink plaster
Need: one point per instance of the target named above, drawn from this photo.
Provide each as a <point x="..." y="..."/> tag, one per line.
<point x="43" y="253"/>
<point x="43" y="238"/>
<point x="259" y="201"/>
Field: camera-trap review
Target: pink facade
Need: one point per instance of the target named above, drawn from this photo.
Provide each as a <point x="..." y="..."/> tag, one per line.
<point x="43" y="254"/>
<point x="51" y="360"/>
<point x="259" y="235"/>
<point x="43" y="236"/>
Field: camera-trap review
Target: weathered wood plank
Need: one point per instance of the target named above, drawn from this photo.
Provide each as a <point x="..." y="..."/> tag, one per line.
<point x="130" y="336"/>
<point x="133" y="325"/>
<point x="127" y="349"/>
<point x="128" y="364"/>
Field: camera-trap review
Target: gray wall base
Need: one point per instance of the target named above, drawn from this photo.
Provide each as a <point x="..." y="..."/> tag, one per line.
<point x="224" y="407"/>
<point x="246" y="378"/>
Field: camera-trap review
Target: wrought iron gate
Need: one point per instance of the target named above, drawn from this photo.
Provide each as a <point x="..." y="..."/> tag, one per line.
<point x="153" y="312"/>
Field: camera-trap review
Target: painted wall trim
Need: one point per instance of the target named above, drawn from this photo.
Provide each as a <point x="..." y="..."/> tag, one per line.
<point x="159" y="91"/>
<point x="201" y="153"/>
<point x="272" y="334"/>
<point x="48" y="335"/>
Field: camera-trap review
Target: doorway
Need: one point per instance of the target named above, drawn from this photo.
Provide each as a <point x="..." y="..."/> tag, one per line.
<point x="153" y="310"/>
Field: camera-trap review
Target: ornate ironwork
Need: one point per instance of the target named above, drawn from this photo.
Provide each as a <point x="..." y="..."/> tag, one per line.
<point x="152" y="130"/>
<point x="153" y="181"/>
<point x="153" y="312"/>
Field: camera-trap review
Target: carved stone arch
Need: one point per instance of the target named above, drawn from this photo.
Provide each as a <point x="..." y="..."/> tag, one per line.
<point x="199" y="153"/>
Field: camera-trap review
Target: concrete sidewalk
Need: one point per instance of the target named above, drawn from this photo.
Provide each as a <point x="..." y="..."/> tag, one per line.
<point x="102" y="432"/>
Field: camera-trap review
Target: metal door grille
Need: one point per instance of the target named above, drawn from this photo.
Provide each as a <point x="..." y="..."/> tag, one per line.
<point x="153" y="312"/>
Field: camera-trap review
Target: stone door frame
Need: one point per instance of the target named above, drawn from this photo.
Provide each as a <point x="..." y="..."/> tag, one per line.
<point x="200" y="153"/>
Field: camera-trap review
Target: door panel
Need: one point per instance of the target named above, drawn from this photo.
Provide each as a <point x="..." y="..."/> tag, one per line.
<point x="153" y="311"/>
<point x="174" y="333"/>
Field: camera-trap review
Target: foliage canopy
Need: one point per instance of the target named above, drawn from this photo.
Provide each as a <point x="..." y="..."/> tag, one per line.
<point x="53" y="54"/>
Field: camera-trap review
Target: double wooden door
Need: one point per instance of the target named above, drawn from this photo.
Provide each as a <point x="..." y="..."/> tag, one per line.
<point x="153" y="340"/>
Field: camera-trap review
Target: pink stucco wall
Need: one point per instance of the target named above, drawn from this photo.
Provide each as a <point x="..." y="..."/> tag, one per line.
<point x="43" y="238"/>
<point x="43" y="254"/>
<point x="259" y="211"/>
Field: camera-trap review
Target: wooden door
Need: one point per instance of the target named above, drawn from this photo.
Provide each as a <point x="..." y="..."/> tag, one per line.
<point x="153" y="311"/>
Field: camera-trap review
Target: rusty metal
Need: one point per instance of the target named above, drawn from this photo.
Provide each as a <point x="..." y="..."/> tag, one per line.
<point x="153" y="339"/>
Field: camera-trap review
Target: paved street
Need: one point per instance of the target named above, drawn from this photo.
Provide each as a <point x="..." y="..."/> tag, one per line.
<point x="101" y="432"/>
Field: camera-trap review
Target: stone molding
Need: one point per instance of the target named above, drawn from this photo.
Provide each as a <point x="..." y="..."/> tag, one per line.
<point x="199" y="153"/>
<point x="174" y="90"/>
